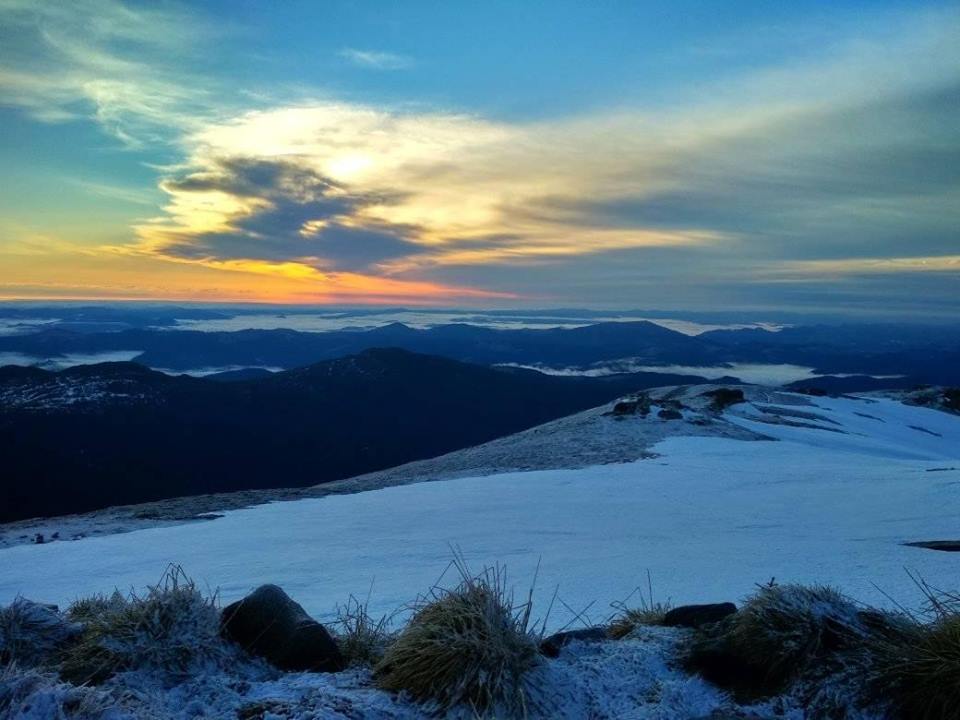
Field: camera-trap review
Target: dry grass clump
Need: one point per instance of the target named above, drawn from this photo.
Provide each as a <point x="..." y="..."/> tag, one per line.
<point x="781" y="634"/>
<point x="362" y="639"/>
<point x="918" y="665"/>
<point x="785" y="628"/>
<point x="30" y="633"/>
<point x="630" y="618"/>
<point x="626" y="618"/>
<point x="170" y="628"/>
<point x="90" y="608"/>
<point x="470" y="645"/>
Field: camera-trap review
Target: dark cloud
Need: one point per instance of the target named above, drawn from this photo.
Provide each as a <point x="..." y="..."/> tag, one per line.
<point x="294" y="197"/>
<point x="256" y="178"/>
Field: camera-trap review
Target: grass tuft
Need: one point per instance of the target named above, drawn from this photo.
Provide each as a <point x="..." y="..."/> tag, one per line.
<point x="362" y="639"/>
<point x="782" y="633"/>
<point x="918" y="665"/>
<point x="630" y="618"/>
<point x="171" y="628"/>
<point x="467" y="646"/>
<point x="627" y="618"/>
<point x="89" y="609"/>
<point x="785" y="628"/>
<point x="30" y="633"/>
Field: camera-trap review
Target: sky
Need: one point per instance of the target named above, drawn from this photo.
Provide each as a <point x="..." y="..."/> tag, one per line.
<point x="683" y="155"/>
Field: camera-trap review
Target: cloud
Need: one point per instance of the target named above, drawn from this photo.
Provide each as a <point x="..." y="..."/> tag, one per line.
<point x="272" y="210"/>
<point x="123" y="194"/>
<point x="832" y="182"/>
<point x="870" y="266"/>
<point x="69" y="61"/>
<point x="841" y="166"/>
<point x="790" y="173"/>
<point x="375" y="60"/>
<point x="454" y="187"/>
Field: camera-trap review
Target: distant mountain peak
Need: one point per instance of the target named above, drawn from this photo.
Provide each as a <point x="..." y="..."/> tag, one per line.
<point x="395" y="327"/>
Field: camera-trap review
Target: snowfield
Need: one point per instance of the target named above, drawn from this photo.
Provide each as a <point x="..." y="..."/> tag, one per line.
<point x="849" y="481"/>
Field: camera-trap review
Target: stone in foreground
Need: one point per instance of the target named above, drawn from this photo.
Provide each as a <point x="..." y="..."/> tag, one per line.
<point x="693" y="616"/>
<point x="270" y="624"/>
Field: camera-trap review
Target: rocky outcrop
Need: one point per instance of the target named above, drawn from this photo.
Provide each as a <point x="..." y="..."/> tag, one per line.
<point x="638" y="405"/>
<point x="723" y="397"/>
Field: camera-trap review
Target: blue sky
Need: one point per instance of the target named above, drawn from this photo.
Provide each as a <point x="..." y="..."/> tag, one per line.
<point x="699" y="155"/>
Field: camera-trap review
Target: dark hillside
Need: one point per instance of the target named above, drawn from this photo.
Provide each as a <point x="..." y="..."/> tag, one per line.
<point x="119" y="433"/>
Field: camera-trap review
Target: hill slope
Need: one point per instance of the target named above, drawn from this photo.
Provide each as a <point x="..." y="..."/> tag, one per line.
<point x="118" y="433"/>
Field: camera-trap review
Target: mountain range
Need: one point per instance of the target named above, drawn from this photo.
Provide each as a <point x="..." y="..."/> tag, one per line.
<point x="922" y="354"/>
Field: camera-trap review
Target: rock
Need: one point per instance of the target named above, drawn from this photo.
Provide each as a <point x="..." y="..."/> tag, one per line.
<point x="268" y="623"/>
<point x="942" y="545"/>
<point x="693" y="616"/>
<point x="670" y="414"/>
<point x="725" y="397"/>
<point x="637" y="405"/>
<point x="951" y="399"/>
<point x="625" y="407"/>
<point x="552" y="645"/>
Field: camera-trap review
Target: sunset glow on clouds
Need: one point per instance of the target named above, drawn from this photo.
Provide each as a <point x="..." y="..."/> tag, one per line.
<point x="834" y="163"/>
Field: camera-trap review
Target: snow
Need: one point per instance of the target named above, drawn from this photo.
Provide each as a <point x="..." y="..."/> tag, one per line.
<point x="876" y="427"/>
<point x="709" y="518"/>
<point x="62" y="391"/>
<point x="632" y="678"/>
<point x="215" y="369"/>
<point x="831" y="500"/>
<point x="637" y="677"/>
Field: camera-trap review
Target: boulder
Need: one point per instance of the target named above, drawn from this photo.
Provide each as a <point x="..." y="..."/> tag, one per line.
<point x="637" y="405"/>
<point x="670" y="414"/>
<point x="268" y="623"/>
<point x="552" y="645"/>
<point x="625" y="407"/>
<point x="693" y="616"/>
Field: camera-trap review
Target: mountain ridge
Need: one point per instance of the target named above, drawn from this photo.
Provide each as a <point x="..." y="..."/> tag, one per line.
<point x="928" y="355"/>
<point x="118" y="433"/>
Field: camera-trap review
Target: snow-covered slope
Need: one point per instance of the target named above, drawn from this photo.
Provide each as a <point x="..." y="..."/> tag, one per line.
<point x="708" y="498"/>
<point x="850" y="480"/>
